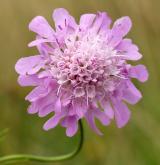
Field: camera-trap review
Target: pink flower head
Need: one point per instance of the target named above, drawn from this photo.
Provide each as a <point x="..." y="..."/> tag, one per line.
<point x="81" y="70"/>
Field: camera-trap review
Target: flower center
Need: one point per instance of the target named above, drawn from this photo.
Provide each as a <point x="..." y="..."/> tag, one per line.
<point x="87" y="65"/>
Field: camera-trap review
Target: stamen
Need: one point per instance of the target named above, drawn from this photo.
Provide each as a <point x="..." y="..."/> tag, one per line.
<point x="125" y="78"/>
<point x="59" y="90"/>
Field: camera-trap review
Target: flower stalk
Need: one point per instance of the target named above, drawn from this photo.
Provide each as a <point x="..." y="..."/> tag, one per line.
<point x="26" y="157"/>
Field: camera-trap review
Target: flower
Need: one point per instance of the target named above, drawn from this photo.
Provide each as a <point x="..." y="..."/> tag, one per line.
<point x="81" y="70"/>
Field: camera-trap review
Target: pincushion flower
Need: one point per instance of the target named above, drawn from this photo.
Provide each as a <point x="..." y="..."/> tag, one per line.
<point x="81" y="70"/>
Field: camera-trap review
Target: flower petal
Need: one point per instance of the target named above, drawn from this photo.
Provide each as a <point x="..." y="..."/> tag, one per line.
<point x="120" y="28"/>
<point x="46" y="110"/>
<point x="29" y="65"/>
<point x="131" y="94"/>
<point x="66" y="98"/>
<point x="126" y="44"/>
<point x="86" y="21"/>
<point x="101" y="23"/>
<point x="122" y="113"/>
<point x="63" y="19"/>
<point x="29" y="80"/>
<point x="37" y="93"/>
<point x="53" y="122"/>
<point x="80" y="106"/>
<point x="40" y="26"/>
<point x="44" y="74"/>
<point x="129" y="50"/>
<point x="32" y="109"/>
<point x="38" y="42"/>
<point x="42" y="103"/>
<point x="91" y="121"/>
<point x="101" y="116"/>
<point x="108" y="110"/>
<point x="139" y="72"/>
<point x="44" y="48"/>
<point x="72" y="126"/>
<point x="58" y="105"/>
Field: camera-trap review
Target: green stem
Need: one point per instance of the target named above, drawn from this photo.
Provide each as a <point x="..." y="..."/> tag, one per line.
<point x="25" y="157"/>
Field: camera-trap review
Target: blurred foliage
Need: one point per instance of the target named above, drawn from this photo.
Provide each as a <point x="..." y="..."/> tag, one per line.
<point x="136" y="144"/>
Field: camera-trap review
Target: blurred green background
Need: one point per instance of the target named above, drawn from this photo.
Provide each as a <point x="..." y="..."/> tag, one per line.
<point x="136" y="144"/>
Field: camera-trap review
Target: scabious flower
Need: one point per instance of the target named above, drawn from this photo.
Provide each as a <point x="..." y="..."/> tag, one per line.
<point x="81" y="70"/>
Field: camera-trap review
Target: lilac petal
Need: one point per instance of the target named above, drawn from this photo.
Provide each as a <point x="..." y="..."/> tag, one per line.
<point x="139" y="72"/>
<point x="32" y="109"/>
<point x="44" y="74"/>
<point x="71" y="110"/>
<point x="120" y="28"/>
<point x="51" y="84"/>
<point x="131" y="94"/>
<point x="72" y="126"/>
<point x="91" y="121"/>
<point x="122" y="25"/>
<point x="101" y="23"/>
<point x="58" y="105"/>
<point x="108" y="109"/>
<point x="80" y="106"/>
<point x="129" y="50"/>
<point x="63" y="19"/>
<point x="40" y="26"/>
<point x="46" y="110"/>
<point x="38" y="42"/>
<point x="53" y="122"/>
<point x="64" y="122"/>
<point x="41" y="103"/>
<point x="126" y="44"/>
<point x="44" y="48"/>
<point x="122" y="113"/>
<point x="29" y="80"/>
<point x="37" y="93"/>
<point x="66" y="98"/>
<point x="29" y="65"/>
<point x="47" y="100"/>
<point x="101" y="116"/>
<point x="134" y="55"/>
<point x="106" y="22"/>
<point x="86" y="21"/>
